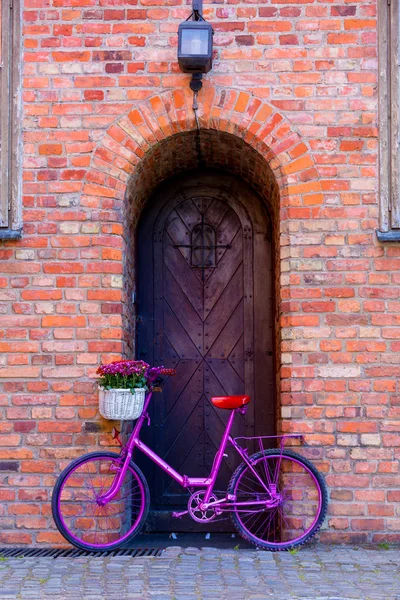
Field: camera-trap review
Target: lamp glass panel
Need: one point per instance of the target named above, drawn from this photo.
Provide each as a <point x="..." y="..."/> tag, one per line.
<point x="195" y="42"/>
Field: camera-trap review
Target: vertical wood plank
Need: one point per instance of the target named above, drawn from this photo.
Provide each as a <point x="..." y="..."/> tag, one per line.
<point x="15" y="185"/>
<point x="248" y="317"/>
<point x="394" y="200"/>
<point x="384" y="109"/>
<point x="10" y="115"/>
<point x="263" y="335"/>
<point x="5" y="116"/>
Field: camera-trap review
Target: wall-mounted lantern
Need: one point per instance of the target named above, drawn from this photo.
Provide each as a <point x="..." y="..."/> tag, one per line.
<point x="195" y="46"/>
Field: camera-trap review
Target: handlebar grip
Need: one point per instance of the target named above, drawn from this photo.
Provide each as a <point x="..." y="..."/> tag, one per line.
<point x="170" y="372"/>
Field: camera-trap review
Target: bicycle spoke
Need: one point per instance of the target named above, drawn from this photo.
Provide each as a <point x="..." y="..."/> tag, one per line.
<point x="293" y="491"/>
<point x="258" y="523"/>
<point x="87" y="521"/>
<point x="90" y="481"/>
<point x="252" y="516"/>
<point x="267" y="474"/>
<point x="79" y="502"/>
<point x="268" y="525"/>
<point x="249" y="486"/>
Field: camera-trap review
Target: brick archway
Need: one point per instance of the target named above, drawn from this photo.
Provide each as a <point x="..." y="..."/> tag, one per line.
<point x="128" y="164"/>
<point x="260" y="126"/>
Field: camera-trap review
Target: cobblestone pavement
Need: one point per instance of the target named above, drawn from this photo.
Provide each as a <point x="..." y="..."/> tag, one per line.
<point x="314" y="573"/>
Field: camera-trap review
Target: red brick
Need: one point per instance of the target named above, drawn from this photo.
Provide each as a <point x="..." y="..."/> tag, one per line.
<point x="59" y="321"/>
<point x="367" y="524"/>
<point x="393" y="496"/>
<point x="15" y="537"/>
<point x="50" y="149"/>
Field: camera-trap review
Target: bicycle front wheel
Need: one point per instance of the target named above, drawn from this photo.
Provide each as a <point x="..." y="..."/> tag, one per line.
<point x="82" y="520"/>
<point x="299" y="500"/>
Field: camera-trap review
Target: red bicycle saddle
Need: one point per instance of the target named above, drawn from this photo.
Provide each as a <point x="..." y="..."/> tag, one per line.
<point x="230" y="401"/>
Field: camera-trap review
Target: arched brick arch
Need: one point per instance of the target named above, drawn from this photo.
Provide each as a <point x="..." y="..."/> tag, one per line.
<point x="125" y="168"/>
<point x="232" y="111"/>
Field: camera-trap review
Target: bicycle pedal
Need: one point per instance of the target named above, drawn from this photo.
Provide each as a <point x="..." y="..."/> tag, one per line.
<point x="179" y="515"/>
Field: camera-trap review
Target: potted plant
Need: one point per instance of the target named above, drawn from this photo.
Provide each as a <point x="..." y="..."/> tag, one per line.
<point x="123" y="385"/>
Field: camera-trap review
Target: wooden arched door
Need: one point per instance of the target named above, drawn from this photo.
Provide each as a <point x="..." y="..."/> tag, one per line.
<point x="204" y="307"/>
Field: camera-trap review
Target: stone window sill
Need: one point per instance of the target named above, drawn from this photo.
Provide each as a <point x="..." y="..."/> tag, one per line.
<point x="10" y="234"/>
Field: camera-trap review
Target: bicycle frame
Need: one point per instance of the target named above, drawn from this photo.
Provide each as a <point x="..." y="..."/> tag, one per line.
<point x="276" y="498"/>
<point x="185" y="481"/>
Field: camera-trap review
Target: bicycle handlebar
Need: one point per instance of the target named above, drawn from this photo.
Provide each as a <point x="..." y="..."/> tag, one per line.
<point x="159" y="380"/>
<point x="170" y="372"/>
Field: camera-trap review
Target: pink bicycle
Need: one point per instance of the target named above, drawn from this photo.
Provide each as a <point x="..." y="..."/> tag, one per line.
<point x="276" y="498"/>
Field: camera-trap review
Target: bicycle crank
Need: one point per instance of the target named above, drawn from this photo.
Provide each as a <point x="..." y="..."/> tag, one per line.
<point x="197" y="513"/>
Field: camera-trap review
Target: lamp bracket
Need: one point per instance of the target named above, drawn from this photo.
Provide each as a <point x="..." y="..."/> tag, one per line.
<point x="197" y="9"/>
<point x="196" y="82"/>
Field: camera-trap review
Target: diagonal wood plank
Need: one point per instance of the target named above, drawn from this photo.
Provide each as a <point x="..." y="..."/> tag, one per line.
<point x="216" y="217"/>
<point x="236" y="358"/>
<point x="178" y="336"/>
<point x="216" y="417"/>
<point x="185" y="277"/>
<point x="183" y="442"/>
<point x="221" y="276"/>
<point x="168" y="354"/>
<point x="185" y="370"/>
<point x="183" y="310"/>
<point x="181" y="414"/>
<point x="182" y="460"/>
<point x="172" y="491"/>
<point x="189" y="214"/>
<point x="227" y="231"/>
<point x="228" y="465"/>
<point x="226" y="375"/>
<point x="223" y="309"/>
<point x="202" y="203"/>
<point x="179" y="234"/>
<point x="215" y="212"/>
<point x="229" y="335"/>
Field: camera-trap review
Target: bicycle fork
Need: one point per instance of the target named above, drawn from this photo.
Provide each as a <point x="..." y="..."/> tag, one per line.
<point x="117" y="482"/>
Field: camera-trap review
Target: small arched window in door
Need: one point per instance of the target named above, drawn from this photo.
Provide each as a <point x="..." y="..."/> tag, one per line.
<point x="203" y="246"/>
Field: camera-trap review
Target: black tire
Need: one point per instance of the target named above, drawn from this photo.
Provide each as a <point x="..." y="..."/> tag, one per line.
<point x="58" y="487"/>
<point x="260" y="543"/>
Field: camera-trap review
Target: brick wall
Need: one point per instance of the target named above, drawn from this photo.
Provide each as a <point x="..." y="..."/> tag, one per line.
<point x="107" y="116"/>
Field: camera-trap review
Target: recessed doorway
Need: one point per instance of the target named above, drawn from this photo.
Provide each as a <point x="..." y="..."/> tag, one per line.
<point x="204" y="306"/>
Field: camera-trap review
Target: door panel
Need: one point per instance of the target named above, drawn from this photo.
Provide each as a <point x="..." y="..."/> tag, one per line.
<point x="198" y="313"/>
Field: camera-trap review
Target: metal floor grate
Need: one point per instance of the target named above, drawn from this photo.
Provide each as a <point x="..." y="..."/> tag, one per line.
<point x="75" y="553"/>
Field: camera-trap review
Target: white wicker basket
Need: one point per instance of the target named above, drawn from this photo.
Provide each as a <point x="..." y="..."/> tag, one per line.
<point x="121" y="404"/>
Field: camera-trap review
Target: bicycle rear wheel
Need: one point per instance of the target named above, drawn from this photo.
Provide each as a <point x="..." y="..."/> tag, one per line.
<point x="78" y="515"/>
<point x="300" y="493"/>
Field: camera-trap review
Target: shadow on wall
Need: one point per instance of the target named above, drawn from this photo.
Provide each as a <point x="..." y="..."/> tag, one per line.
<point x="203" y="148"/>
